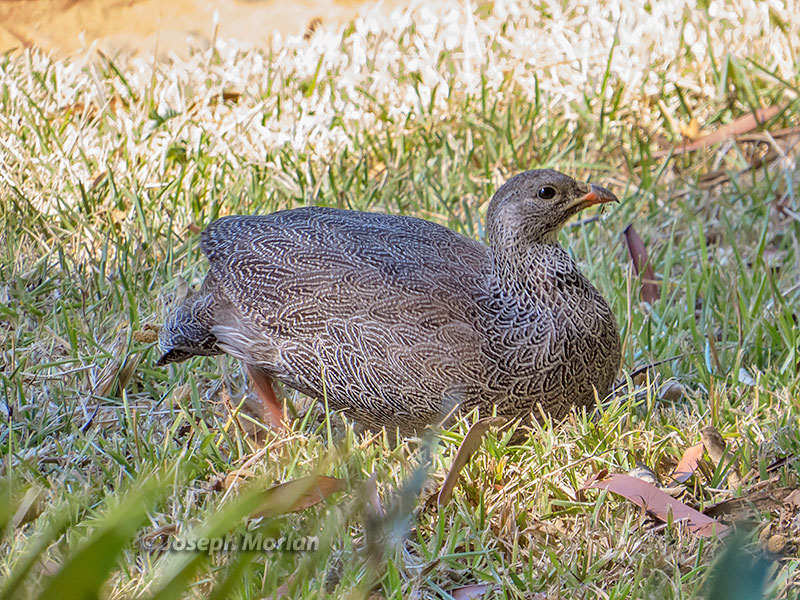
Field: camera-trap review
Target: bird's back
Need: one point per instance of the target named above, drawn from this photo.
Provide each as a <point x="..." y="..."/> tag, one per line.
<point x="376" y="312"/>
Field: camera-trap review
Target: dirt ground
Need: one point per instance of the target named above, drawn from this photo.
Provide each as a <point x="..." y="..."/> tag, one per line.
<point x="161" y="26"/>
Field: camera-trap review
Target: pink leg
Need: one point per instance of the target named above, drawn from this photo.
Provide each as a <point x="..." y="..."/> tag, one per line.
<point x="262" y="384"/>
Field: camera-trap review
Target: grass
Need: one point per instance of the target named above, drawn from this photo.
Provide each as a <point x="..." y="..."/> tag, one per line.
<point x="109" y="167"/>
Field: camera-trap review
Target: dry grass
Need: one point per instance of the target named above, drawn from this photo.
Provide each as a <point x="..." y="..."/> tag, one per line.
<point x="108" y="167"/>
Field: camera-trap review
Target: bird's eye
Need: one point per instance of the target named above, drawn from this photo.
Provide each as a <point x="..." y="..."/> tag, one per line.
<point x="546" y="193"/>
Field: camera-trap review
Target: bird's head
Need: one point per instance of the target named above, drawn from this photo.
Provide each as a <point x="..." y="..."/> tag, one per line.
<point x="532" y="206"/>
<point x="187" y="330"/>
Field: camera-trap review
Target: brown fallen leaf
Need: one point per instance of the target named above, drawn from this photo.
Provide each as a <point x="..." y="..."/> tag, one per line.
<point x="215" y="483"/>
<point x="715" y="446"/>
<point x="251" y="429"/>
<point x="127" y="371"/>
<point x="468" y="592"/>
<point x="30" y="507"/>
<point x="672" y="391"/>
<point x="736" y="127"/>
<point x="793" y="499"/>
<point x="118" y="369"/>
<point x="470" y="443"/>
<point x="236" y="477"/>
<point x="160" y="533"/>
<point x="182" y="290"/>
<point x="714" y="442"/>
<point x="298" y="494"/>
<point x="650" y="291"/>
<point x="660" y="504"/>
<point x="688" y="463"/>
<point x="96" y="180"/>
<point x="599" y="476"/>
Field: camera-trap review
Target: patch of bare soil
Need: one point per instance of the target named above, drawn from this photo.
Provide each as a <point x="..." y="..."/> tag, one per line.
<point x="155" y="26"/>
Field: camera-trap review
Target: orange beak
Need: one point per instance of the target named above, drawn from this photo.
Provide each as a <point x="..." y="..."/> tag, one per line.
<point x="596" y="195"/>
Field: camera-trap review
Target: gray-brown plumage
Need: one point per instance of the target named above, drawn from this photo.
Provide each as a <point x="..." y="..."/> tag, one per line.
<point x="399" y="320"/>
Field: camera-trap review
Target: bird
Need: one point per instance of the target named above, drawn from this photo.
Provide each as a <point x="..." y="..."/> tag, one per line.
<point x="401" y="322"/>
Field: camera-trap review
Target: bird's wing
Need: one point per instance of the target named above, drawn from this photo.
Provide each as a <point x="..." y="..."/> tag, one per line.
<point x="293" y="273"/>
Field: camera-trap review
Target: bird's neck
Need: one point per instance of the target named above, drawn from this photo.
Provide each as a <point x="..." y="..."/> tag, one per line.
<point x="531" y="271"/>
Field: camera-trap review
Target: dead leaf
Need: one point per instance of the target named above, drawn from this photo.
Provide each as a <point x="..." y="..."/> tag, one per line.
<point x="30" y="507"/>
<point x="215" y="483"/>
<point x="182" y="290"/>
<point x="163" y="532"/>
<point x="672" y="391"/>
<point x="745" y="378"/>
<point x="96" y="180"/>
<point x="251" y="405"/>
<point x="715" y="446"/>
<point x="714" y="443"/>
<point x="599" y="476"/>
<point x="127" y="371"/>
<point x="660" y="504"/>
<point x="793" y="499"/>
<point x="471" y="442"/>
<point x="688" y="463"/>
<point x="650" y="289"/>
<point x="118" y="370"/>
<point x="235" y="477"/>
<point x="298" y="494"/>
<point x="376" y="524"/>
<point x="468" y="592"/>
<point x="737" y="127"/>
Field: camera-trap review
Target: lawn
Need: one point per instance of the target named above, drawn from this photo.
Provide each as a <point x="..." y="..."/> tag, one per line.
<point x="111" y="166"/>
